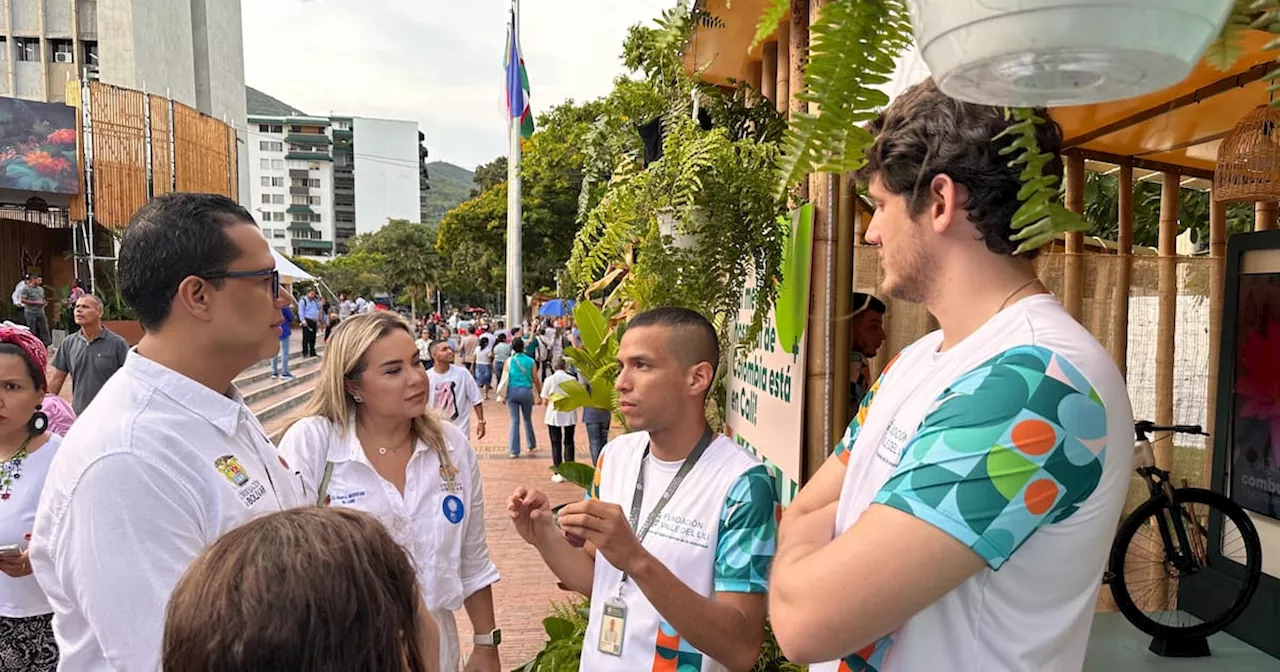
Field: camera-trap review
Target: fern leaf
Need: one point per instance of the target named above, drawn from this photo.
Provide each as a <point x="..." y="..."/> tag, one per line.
<point x="1227" y="49"/>
<point x="769" y="20"/>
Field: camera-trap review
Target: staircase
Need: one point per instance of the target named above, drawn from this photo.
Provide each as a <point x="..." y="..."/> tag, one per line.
<point x="274" y="400"/>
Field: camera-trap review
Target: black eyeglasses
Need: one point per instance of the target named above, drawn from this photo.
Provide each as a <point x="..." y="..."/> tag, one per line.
<point x="271" y="272"/>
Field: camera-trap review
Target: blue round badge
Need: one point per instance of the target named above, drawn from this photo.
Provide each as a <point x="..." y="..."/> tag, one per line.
<point x="453" y="509"/>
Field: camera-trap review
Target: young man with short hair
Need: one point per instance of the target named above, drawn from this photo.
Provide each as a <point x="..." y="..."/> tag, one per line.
<point x="1003" y="441"/>
<point x="33" y="304"/>
<point x="91" y="355"/>
<point x="453" y="391"/>
<point x="679" y="527"/>
<point x="167" y="457"/>
<point x="866" y="335"/>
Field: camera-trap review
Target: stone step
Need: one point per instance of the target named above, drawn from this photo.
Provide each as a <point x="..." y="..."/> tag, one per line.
<point x="265" y="389"/>
<point x="262" y="370"/>
<point x="275" y="409"/>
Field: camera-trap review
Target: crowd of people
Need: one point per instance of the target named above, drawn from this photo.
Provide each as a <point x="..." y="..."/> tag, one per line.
<point x="964" y="516"/>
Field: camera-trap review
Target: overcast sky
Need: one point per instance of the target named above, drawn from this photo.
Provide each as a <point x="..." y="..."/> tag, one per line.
<point x="438" y="62"/>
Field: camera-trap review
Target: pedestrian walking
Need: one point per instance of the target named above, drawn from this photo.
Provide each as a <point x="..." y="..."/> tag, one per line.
<point x="280" y="362"/>
<point x="520" y="391"/>
<point x="560" y="424"/>
<point x="90" y="356"/>
<point x="33" y="307"/>
<point x="310" y="313"/>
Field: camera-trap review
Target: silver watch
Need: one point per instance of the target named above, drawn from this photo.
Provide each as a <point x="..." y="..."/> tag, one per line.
<point x="493" y="638"/>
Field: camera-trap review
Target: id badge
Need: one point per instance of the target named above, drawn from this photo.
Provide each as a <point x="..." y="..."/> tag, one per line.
<point x="612" y="627"/>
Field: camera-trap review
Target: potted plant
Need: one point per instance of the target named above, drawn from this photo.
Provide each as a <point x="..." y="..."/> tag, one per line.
<point x="1062" y="52"/>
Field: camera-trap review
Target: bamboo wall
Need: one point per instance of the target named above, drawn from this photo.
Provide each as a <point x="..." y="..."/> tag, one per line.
<point x="203" y="150"/>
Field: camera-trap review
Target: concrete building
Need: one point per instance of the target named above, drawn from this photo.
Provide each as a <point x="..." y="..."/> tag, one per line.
<point x="191" y="50"/>
<point x="291" y="182"/>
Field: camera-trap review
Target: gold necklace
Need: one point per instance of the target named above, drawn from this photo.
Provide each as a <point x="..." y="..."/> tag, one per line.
<point x="1014" y="293"/>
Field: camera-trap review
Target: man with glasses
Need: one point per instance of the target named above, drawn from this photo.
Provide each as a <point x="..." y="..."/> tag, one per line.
<point x="168" y="457"/>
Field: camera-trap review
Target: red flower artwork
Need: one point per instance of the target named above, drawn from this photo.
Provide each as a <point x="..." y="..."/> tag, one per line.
<point x="63" y="136"/>
<point x="1258" y="380"/>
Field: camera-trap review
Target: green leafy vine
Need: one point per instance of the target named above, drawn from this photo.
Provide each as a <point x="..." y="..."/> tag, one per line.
<point x="1041" y="215"/>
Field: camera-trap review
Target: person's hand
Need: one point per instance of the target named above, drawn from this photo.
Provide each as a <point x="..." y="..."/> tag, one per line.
<point x="480" y="430"/>
<point x="484" y="659"/>
<point x="605" y="526"/>
<point x="17" y="566"/>
<point x="530" y="511"/>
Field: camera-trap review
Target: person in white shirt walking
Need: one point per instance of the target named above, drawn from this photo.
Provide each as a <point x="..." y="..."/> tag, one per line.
<point x="682" y="572"/>
<point x="560" y="424"/>
<point x="967" y="513"/>
<point x="168" y="457"/>
<point x="367" y="428"/>
<point x="454" y="393"/>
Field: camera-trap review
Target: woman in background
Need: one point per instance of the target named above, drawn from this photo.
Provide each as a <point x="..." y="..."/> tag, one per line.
<point x="308" y="590"/>
<point x="27" y="448"/>
<point x="523" y="383"/>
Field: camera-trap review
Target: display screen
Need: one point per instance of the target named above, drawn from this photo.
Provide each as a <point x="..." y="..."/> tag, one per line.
<point x="1255" y="450"/>
<point x="38" y="147"/>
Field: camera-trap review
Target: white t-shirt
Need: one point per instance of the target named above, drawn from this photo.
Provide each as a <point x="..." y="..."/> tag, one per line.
<point x="718" y="534"/>
<point x="156" y="469"/>
<point x="485" y="349"/>
<point x="453" y="394"/>
<point x="22" y="597"/>
<point x="17" y="293"/>
<point x="550" y="388"/>
<point x="1018" y="442"/>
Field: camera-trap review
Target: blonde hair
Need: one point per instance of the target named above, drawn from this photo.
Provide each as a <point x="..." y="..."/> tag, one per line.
<point x="344" y="361"/>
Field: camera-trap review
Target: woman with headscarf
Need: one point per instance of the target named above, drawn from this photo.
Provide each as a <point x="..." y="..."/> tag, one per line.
<point x="367" y="440"/>
<point x="27" y="447"/>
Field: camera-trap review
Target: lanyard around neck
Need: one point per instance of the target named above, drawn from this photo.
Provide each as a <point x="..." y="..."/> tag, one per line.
<point x="637" y="499"/>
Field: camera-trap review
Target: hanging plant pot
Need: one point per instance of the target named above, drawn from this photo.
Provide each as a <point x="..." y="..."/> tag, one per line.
<point x="1062" y="52"/>
<point x="670" y="224"/>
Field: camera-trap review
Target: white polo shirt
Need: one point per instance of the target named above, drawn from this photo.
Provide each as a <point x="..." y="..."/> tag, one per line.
<point x="153" y="472"/>
<point x="439" y="521"/>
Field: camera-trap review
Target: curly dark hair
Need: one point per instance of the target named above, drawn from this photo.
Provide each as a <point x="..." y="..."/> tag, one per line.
<point x="926" y="133"/>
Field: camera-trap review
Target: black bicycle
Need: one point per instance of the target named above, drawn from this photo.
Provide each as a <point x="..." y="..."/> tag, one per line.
<point x="1164" y="544"/>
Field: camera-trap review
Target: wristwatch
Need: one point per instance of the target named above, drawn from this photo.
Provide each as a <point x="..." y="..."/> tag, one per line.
<point x="492" y="639"/>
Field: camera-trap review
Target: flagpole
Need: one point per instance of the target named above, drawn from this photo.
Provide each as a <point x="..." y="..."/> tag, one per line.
<point x="515" y="295"/>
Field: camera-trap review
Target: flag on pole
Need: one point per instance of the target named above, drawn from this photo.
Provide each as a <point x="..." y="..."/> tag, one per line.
<point x="517" y="83"/>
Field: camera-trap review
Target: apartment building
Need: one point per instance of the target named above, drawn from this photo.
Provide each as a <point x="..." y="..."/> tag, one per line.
<point x="189" y="50"/>
<point x="291" y="182"/>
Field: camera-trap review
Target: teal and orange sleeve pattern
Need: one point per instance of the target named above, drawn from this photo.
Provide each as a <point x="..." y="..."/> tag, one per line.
<point x="748" y="534"/>
<point x="1015" y="444"/>
<point x="841" y="451"/>
<point x="593" y="492"/>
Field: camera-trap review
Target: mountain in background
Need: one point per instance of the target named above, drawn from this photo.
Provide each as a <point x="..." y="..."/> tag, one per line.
<point x="450" y="186"/>
<point x="259" y="103"/>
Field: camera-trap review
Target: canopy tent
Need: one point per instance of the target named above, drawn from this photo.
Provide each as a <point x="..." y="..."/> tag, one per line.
<point x="556" y="308"/>
<point x="289" y="271"/>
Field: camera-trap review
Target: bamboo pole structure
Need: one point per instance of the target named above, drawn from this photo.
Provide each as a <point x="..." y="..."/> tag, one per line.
<point x="840" y="411"/>
<point x="799" y="56"/>
<point x="1264" y="216"/>
<point x="1072" y="275"/>
<point x="1217" y="290"/>
<point x="824" y="193"/>
<point x="769" y="71"/>
<point x="783" y="88"/>
<point x="1167" y="286"/>
<point x="755" y="71"/>
<point x="1124" y="271"/>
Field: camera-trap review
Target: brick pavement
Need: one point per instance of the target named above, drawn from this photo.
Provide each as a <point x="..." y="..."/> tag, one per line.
<point x="524" y="595"/>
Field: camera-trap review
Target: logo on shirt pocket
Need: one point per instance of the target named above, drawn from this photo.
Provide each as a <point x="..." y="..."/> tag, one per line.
<point x="892" y="443"/>
<point x="248" y="490"/>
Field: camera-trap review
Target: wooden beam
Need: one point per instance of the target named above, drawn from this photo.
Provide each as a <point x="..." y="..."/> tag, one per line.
<point x="822" y="189"/>
<point x="769" y="71"/>
<point x="1073" y="276"/>
<point x="1189" y="143"/>
<point x="1144" y="164"/>
<point x="783" y="88"/>
<point x="1167" y="288"/>
<point x="799" y="48"/>
<point x="1124" y="253"/>
<point x="1264" y="213"/>
<point x="1221" y="86"/>
<point x="1217" y="291"/>
<point x="841" y="411"/>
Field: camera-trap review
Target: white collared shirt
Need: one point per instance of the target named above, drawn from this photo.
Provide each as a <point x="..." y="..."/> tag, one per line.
<point x="153" y="472"/>
<point x="448" y="545"/>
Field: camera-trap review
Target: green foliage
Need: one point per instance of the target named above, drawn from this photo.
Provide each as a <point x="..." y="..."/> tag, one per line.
<point x="489" y="175"/>
<point x="577" y="473"/>
<point x="566" y="629"/>
<point x="774" y="13"/>
<point x="854" y="46"/>
<point x="358" y="273"/>
<point x="410" y="265"/>
<point x="1102" y="202"/>
<point x="448" y="185"/>
<point x="1041" y="214"/>
<point x="1227" y="49"/>
<point x="596" y="361"/>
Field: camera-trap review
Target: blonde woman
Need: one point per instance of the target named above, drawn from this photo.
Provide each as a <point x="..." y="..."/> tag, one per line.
<point x="392" y="457"/>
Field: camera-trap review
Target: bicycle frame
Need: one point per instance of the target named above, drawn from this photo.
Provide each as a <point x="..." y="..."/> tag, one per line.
<point x="1159" y="485"/>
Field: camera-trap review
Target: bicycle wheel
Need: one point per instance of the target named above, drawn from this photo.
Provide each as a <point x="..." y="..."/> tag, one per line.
<point x="1146" y="583"/>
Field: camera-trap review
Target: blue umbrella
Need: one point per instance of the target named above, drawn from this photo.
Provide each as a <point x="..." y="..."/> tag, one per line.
<point x="556" y="308"/>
